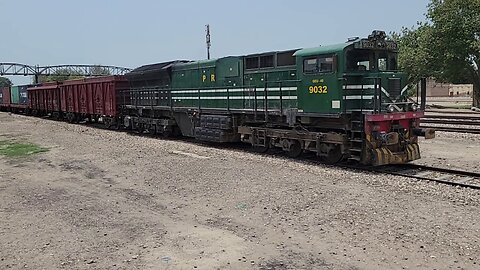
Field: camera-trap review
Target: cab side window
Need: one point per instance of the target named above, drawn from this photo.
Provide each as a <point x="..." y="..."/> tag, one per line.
<point x="310" y="65"/>
<point x="320" y="64"/>
<point x="326" y="64"/>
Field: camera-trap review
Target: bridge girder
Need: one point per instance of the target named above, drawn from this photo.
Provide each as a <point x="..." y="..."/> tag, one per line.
<point x="82" y="70"/>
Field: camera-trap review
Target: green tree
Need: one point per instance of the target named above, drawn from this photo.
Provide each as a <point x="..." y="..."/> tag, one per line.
<point x="60" y="75"/>
<point x="414" y="52"/>
<point x="446" y="46"/>
<point x="5" y="82"/>
<point x="99" y="71"/>
<point x="65" y="74"/>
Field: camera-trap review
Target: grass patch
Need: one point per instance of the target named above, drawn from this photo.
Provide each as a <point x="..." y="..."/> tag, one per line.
<point x="14" y="149"/>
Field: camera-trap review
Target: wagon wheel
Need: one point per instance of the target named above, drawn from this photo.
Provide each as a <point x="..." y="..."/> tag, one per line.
<point x="117" y="125"/>
<point x="334" y="156"/>
<point x="107" y="123"/>
<point x="295" y="149"/>
<point x="71" y="118"/>
<point x="76" y="118"/>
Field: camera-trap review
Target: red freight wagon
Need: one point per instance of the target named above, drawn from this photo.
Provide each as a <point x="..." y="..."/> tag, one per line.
<point x="45" y="99"/>
<point x="4" y="98"/>
<point x="92" y="97"/>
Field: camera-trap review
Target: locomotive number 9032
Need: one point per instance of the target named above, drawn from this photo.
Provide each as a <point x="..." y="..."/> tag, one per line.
<point x="320" y="89"/>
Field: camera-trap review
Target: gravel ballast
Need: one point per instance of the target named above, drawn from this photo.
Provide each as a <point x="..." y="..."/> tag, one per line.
<point x="101" y="199"/>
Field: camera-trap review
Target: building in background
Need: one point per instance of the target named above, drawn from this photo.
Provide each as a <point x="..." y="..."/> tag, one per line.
<point x="436" y="89"/>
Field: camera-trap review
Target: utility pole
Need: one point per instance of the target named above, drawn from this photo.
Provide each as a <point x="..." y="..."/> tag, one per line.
<point x="209" y="44"/>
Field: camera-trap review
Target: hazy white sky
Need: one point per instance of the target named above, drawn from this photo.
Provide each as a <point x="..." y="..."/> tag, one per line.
<point x="133" y="33"/>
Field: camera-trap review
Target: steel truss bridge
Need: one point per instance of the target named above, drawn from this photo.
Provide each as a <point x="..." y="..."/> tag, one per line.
<point x="80" y="70"/>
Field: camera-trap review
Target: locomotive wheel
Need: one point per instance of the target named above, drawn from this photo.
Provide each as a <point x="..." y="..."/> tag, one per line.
<point x="167" y="133"/>
<point x="334" y="156"/>
<point x="152" y="130"/>
<point x="176" y="132"/>
<point x="295" y="149"/>
<point x="262" y="149"/>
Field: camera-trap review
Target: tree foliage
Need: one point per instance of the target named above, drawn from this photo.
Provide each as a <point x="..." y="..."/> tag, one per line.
<point x="414" y="53"/>
<point x="99" y="70"/>
<point x="5" y="82"/>
<point x="68" y="74"/>
<point x="60" y="76"/>
<point x="446" y="46"/>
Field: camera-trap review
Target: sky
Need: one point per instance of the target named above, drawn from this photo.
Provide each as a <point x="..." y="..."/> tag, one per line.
<point x="131" y="33"/>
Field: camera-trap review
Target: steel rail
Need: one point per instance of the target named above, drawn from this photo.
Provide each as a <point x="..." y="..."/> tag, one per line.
<point x="451" y="122"/>
<point x="451" y="117"/>
<point x="452" y="129"/>
<point x="460" y="123"/>
<point x="439" y="111"/>
<point x="420" y="172"/>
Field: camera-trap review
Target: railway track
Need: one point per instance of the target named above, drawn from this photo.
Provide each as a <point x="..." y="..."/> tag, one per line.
<point x="452" y="122"/>
<point x="439" y="175"/>
<point x="453" y="111"/>
<point x="453" y="129"/>
<point x="422" y="172"/>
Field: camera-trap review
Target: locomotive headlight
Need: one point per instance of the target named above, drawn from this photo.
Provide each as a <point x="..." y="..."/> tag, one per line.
<point x="390" y="108"/>
<point x="414" y="107"/>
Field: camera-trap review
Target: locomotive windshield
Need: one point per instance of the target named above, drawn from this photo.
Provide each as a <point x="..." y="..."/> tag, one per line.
<point x="371" y="60"/>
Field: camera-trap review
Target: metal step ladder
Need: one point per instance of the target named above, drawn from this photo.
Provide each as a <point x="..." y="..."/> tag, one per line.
<point x="261" y="137"/>
<point x="356" y="140"/>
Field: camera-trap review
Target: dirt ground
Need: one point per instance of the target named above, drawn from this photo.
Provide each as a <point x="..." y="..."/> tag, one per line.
<point x="450" y="102"/>
<point x="452" y="150"/>
<point x="102" y="199"/>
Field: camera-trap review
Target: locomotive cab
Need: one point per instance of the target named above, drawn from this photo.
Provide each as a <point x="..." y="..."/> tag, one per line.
<point x="371" y="71"/>
<point x="359" y="81"/>
<point x="376" y="99"/>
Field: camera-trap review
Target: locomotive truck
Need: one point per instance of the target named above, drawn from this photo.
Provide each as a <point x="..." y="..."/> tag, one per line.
<point x="342" y="102"/>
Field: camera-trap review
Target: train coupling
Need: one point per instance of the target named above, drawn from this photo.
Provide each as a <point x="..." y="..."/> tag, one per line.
<point x="428" y="133"/>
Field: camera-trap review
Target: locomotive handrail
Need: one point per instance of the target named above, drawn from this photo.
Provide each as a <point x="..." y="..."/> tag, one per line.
<point x="342" y="86"/>
<point x="195" y="93"/>
<point x="377" y="94"/>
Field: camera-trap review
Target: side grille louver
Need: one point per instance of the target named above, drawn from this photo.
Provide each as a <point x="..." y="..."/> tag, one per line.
<point x="394" y="87"/>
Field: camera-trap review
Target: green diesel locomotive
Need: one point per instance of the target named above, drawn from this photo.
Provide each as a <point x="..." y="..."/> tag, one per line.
<point x="344" y="101"/>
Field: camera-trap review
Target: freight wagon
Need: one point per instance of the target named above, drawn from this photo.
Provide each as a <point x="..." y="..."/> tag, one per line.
<point x="77" y="100"/>
<point x="45" y="99"/>
<point x="5" y="98"/>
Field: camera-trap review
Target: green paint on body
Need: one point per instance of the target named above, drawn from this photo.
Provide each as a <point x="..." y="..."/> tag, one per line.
<point x="14" y="149"/>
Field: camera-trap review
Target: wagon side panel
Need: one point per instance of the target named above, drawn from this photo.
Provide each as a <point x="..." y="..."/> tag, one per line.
<point x="5" y="100"/>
